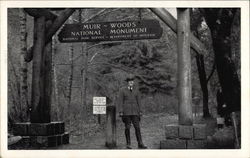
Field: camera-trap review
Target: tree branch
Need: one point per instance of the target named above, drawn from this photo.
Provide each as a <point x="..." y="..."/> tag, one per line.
<point x="212" y="71"/>
<point x="100" y="13"/>
<point x="29" y="55"/>
<point x="95" y="15"/>
<point x="113" y="66"/>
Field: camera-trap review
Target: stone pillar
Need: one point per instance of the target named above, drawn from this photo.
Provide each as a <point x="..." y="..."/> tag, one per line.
<point x="184" y="68"/>
<point x="111" y="127"/>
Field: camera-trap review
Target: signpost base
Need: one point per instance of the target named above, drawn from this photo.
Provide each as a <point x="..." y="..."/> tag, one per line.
<point x="111" y="127"/>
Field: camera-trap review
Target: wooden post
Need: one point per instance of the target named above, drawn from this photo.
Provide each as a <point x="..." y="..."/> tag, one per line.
<point x="184" y="68"/>
<point x="47" y="77"/>
<point x="41" y="76"/>
<point x="111" y="127"/>
<point x="37" y="101"/>
<point x="99" y="118"/>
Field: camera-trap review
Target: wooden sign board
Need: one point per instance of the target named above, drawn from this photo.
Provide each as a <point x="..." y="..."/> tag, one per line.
<point x="99" y="109"/>
<point x="110" y="31"/>
<point x="99" y="100"/>
<point x="99" y="105"/>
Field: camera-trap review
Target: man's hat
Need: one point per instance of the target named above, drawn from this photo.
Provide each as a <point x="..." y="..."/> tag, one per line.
<point x="130" y="77"/>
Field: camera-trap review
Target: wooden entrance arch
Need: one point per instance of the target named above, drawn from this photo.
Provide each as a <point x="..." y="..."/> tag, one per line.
<point x="46" y="25"/>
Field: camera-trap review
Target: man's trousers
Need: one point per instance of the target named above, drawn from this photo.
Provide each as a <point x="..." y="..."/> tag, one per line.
<point x="135" y="120"/>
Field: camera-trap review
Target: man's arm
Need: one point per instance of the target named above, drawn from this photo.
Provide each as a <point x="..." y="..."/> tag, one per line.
<point x="138" y="98"/>
<point x="120" y="103"/>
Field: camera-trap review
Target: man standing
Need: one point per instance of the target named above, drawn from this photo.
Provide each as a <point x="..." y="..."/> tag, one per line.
<point x="130" y="111"/>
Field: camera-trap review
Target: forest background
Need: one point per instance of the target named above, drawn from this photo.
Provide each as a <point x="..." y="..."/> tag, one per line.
<point x="84" y="70"/>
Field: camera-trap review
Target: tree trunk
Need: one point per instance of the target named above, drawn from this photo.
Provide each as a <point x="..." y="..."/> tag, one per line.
<point x="84" y="79"/>
<point x="54" y="74"/>
<point x="184" y="67"/>
<point x="220" y="27"/>
<point x="203" y="83"/>
<point x="23" y="69"/>
<point x="70" y="78"/>
<point x="15" y="91"/>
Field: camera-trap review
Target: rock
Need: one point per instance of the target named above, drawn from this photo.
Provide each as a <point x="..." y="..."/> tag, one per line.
<point x="14" y="139"/>
<point x="222" y="139"/>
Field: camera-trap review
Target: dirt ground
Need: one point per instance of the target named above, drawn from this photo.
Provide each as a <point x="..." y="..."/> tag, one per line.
<point x="152" y="128"/>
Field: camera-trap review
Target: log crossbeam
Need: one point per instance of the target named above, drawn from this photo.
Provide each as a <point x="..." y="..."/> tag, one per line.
<point x="56" y="24"/>
<point x="168" y="19"/>
<point x="37" y="13"/>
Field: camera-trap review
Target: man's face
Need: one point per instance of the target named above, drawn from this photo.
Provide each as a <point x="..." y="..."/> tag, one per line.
<point x="131" y="83"/>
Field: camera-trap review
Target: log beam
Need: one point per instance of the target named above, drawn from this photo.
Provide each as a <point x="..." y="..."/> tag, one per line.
<point x="37" y="12"/>
<point x="168" y="19"/>
<point x="57" y="23"/>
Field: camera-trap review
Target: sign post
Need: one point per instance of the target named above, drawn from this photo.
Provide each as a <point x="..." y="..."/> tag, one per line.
<point x="99" y="107"/>
<point x="111" y="127"/>
<point x="111" y="31"/>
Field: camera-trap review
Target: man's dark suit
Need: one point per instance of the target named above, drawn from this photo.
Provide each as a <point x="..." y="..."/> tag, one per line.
<point x="129" y="106"/>
<point x="129" y="102"/>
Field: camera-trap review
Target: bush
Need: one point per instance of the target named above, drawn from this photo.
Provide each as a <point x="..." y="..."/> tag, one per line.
<point x="159" y="103"/>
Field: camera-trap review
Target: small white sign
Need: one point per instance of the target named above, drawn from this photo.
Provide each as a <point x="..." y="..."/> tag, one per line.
<point x="99" y="101"/>
<point x="220" y="120"/>
<point x="99" y="109"/>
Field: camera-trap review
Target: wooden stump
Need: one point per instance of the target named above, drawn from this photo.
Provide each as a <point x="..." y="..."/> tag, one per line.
<point x="111" y="127"/>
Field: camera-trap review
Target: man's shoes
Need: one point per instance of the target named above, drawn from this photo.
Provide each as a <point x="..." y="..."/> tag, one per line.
<point x="128" y="147"/>
<point x="142" y="146"/>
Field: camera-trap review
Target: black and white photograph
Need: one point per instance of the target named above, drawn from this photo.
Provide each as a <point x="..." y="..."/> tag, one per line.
<point x="121" y="78"/>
